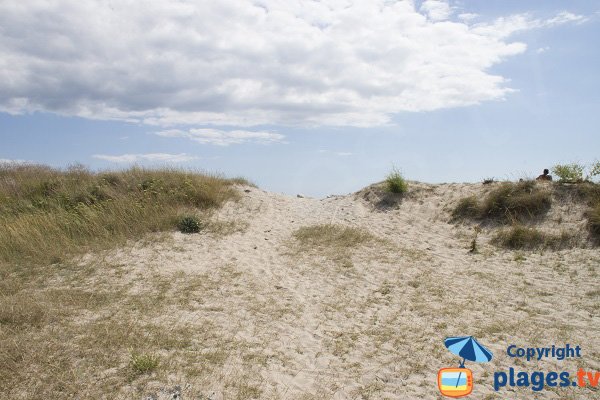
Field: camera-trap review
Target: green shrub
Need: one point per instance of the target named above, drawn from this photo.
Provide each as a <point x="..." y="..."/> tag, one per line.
<point x="569" y="173"/>
<point x="395" y="182"/>
<point x="189" y="224"/>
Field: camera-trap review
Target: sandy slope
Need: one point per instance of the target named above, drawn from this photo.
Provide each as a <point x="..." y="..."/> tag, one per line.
<point x="306" y="327"/>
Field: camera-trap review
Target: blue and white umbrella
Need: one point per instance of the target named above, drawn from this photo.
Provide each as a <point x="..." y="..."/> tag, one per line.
<point x="468" y="348"/>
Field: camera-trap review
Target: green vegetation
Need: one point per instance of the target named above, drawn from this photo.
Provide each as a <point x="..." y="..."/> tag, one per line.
<point x="570" y="173"/>
<point x="506" y="204"/>
<point x="142" y="363"/>
<point x="573" y="172"/>
<point x="395" y="182"/>
<point x="49" y="214"/>
<point x="189" y="224"/>
<point x="521" y="237"/>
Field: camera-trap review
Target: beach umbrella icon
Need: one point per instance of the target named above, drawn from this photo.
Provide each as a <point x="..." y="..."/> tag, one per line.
<point x="468" y="348"/>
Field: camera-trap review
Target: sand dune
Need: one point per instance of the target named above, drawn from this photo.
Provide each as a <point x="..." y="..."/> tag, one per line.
<point x="366" y="322"/>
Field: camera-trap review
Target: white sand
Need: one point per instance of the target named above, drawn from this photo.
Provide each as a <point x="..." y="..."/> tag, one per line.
<point x="375" y="330"/>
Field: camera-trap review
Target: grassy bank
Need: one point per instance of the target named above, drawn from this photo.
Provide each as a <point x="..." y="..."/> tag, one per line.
<point x="49" y="214"/>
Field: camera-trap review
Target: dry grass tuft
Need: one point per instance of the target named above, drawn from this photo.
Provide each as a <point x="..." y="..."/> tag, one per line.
<point x="509" y="203"/>
<point x="331" y="235"/>
<point x="333" y="241"/>
<point x="520" y="237"/>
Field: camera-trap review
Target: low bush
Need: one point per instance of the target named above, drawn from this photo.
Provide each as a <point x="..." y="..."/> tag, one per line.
<point x="395" y="182"/>
<point x="570" y="173"/>
<point x="189" y="224"/>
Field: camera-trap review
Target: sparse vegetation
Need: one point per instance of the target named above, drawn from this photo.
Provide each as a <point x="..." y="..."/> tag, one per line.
<point x="474" y="249"/>
<point x="334" y="241"/>
<point x="331" y="235"/>
<point x="395" y="182"/>
<point x="467" y="207"/>
<point x="508" y="203"/>
<point x="594" y="221"/>
<point x="521" y="237"/>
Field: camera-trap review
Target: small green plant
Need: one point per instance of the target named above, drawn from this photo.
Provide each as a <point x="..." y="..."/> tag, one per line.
<point x="569" y="173"/>
<point x="142" y="363"/>
<point x="473" y="248"/>
<point x="395" y="182"/>
<point x="189" y="224"/>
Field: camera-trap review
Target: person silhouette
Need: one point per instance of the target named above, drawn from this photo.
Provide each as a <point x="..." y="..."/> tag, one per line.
<point x="545" y="176"/>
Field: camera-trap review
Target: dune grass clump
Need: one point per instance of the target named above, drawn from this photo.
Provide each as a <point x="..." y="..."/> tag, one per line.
<point x="48" y="214"/>
<point x="395" y="182"/>
<point x="508" y="203"/>
<point x="331" y="235"/>
<point x="594" y="221"/>
<point x="189" y="224"/>
<point x="142" y="363"/>
<point x="519" y="237"/>
<point x="467" y="207"/>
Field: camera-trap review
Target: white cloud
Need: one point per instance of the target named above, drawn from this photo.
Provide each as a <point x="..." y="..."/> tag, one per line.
<point x="542" y="49"/>
<point x="149" y="157"/>
<point x="246" y="63"/>
<point x="436" y="10"/>
<point x="468" y="16"/>
<point x="223" y="138"/>
<point x="337" y="153"/>
<point x="13" y="161"/>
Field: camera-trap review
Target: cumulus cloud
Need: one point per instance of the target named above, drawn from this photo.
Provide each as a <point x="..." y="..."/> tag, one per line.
<point x="244" y="63"/>
<point x="223" y="138"/>
<point x="149" y="157"/>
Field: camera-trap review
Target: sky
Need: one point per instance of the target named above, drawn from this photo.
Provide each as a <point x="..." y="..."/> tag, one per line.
<point x="311" y="97"/>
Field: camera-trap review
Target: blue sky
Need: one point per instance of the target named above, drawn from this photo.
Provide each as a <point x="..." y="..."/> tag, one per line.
<point x="445" y="91"/>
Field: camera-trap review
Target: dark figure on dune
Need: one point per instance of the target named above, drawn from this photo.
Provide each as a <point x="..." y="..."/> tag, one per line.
<point x="545" y="176"/>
